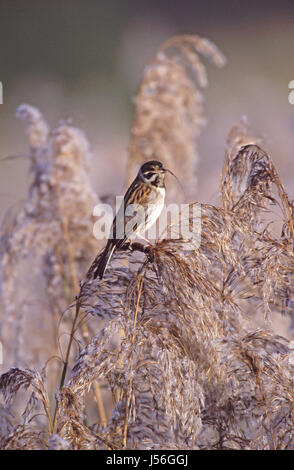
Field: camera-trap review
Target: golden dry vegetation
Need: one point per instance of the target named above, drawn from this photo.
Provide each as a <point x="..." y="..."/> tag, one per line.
<point x="168" y="350"/>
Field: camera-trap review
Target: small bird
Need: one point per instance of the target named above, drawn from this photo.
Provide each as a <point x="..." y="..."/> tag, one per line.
<point x="142" y="205"/>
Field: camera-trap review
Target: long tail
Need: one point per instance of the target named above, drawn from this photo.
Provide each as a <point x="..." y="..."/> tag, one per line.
<point x="104" y="260"/>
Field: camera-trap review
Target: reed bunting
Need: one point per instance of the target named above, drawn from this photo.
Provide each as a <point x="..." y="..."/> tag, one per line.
<point x="142" y="205"/>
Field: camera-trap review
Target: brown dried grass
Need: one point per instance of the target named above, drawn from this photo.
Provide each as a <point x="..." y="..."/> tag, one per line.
<point x="177" y="345"/>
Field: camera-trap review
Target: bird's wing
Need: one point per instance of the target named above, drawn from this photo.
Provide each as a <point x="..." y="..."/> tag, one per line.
<point x="131" y="214"/>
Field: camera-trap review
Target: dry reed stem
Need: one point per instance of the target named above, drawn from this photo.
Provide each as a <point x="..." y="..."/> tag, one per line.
<point x="178" y="348"/>
<point x="168" y="115"/>
<point x="128" y="397"/>
<point x="76" y="287"/>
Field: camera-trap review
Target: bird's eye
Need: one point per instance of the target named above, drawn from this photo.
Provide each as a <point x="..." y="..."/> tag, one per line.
<point x="148" y="175"/>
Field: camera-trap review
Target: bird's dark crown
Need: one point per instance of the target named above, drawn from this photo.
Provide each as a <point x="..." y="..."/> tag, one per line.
<point x="152" y="165"/>
<point x="150" y="168"/>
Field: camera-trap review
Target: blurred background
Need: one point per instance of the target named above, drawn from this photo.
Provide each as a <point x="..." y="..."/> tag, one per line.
<point x="84" y="59"/>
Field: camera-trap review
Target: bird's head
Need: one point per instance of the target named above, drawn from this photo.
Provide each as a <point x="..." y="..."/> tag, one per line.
<point x="153" y="173"/>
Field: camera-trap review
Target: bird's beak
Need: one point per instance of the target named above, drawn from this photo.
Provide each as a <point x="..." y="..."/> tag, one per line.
<point x="165" y="170"/>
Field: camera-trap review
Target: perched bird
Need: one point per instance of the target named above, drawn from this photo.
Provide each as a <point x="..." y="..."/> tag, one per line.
<point x="142" y="205"/>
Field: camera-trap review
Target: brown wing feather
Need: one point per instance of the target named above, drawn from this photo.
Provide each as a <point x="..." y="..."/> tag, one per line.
<point x="138" y="193"/>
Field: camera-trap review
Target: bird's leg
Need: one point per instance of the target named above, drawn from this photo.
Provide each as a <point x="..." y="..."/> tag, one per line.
<point x="134" y="246"/>
<point x="126" y="246"/>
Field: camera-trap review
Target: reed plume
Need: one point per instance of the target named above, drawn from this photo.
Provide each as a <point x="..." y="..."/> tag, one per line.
<point x="178" y="349"/>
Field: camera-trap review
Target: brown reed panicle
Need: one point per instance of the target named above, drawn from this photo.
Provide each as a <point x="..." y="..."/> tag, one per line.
<point x="189" y="369"/>
<point x="179" y="350"/>
<point x="251" y="188"/>
<point x="168" y="116"/>
<point x="24" y="435"/>
<point x="52" y="233"/>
